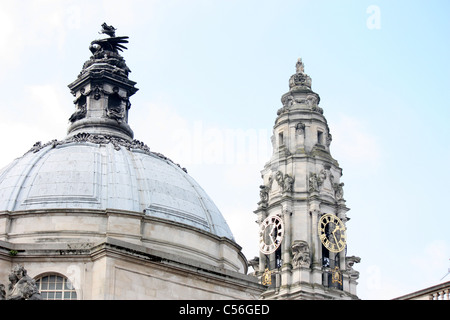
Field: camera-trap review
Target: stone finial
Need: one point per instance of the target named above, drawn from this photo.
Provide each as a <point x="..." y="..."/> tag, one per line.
<point x="300" y="78"/>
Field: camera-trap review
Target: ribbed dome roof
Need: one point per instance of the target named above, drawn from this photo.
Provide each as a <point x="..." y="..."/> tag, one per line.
<point x="92" y="172"/>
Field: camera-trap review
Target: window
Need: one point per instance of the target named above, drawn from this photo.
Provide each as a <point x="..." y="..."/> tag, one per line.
<point x="56" y="287"/>
<point x="280" y="139"/>
<point x="320" y="137"/>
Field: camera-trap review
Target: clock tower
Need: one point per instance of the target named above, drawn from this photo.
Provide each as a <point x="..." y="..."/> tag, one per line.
<point x="302" y="212"/>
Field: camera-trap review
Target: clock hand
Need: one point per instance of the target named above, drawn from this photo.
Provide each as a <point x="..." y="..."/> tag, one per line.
<point x="272" y="235"/>
<point x="334" y="236"/>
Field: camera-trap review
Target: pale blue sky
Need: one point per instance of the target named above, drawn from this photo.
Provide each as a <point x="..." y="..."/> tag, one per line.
<point x="211" y="75"/>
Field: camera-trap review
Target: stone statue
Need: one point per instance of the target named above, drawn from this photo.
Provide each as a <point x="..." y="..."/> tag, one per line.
<point x="300" y="67"/>
<point x="264" y="196"/>
<point x="288" y="183"/>
<point x="339" y="190"/>
<point x="78" y="114"/>
<point x="300" y="128"/>
<point x="314" y="182"/>
<point x="106" y="53"/>
<point x="21" y="286"/>
<point x="279" y="179"/>
<point x="112" y="43"/>
<point x="285" y="182"/>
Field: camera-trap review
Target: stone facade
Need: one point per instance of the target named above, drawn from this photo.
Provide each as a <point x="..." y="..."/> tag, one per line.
<point x="113" y="269"/>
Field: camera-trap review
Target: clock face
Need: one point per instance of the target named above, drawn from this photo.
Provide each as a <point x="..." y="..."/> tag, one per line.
<point x="332" y="233"/>
<point x="271" y="234"/>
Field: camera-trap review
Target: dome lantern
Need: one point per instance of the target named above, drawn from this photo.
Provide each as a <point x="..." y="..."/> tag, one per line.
<point x="102" y="90"/>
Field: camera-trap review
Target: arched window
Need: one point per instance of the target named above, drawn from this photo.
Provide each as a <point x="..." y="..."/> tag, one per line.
<point x="56" y="287"/>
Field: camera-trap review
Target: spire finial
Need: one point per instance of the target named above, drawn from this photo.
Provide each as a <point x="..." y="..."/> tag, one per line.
<point x="300" y="67"/>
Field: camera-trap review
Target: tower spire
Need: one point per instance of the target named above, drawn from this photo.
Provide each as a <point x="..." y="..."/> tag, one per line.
<point x="302" y="213"/>
<point x="102" y="90"/>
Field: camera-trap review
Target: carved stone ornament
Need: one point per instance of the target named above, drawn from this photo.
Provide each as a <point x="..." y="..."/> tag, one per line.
<point x="301" y="254"/>
<point x="314" y="182"/>
<point x="264" y="196"/>
<point x="20" y="287"/>
<point x="324" y="181"/>
<point x="102" y="139"/>
<point x="350" y="261"/>
<point x="254" y="263"/>
<point x="106" y="51"/>
<point x="329" y="139"/>
<point x="338" y="191"/>
<point x="312" y="100"/>
<point x="286" y="182"/>
<point x="81" y="107"/>
<point x="300" y="128"/>
<point x="318" y="109"/>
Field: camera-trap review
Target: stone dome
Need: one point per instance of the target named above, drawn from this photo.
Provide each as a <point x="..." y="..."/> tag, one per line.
<point x="101" y="173"/>
<point x="99" y="183"/>
<point x="98" y="166"/>
<point x="115" y="218"/>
